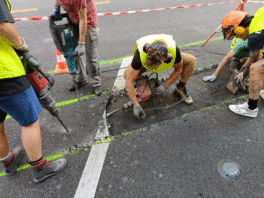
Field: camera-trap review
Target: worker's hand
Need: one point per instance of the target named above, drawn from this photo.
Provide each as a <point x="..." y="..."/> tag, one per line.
<point x="22" y="48"/>
<point x="161" y="89"/>
<point x="239" y="78"/>
<point x="80" y="49"/>
<point x="57" y="14"/>
<point x="139" y="113"/>
<point x="210" y="78"/>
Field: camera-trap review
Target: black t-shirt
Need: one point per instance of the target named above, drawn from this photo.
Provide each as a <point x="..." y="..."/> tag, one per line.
<point x="136" y="62"/>
<point x="256" y="41"/>
<point x="11" y="85"/>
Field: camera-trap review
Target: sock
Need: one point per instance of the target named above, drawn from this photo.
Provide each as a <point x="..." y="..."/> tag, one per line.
<point x="37" y="163"/>
<point x="252" y="104"/>
<point x="6" y="159"/>
<point x="181" y="85"/>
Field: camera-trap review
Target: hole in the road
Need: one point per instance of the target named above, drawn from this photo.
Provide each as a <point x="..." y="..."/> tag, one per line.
<point x="229" y="170"/>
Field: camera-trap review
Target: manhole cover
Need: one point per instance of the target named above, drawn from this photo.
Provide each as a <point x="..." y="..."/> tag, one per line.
<point x="229" y="170"/>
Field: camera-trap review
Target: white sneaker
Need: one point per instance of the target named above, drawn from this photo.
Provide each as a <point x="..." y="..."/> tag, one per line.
<point x="262" y="94"/>
<point x="242" y="109"/>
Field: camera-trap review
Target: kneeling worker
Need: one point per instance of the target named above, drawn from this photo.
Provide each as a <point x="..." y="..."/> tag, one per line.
<point x="239" y="51"/>
<point x="241" y="25"/>
<point x="157" y="53"/>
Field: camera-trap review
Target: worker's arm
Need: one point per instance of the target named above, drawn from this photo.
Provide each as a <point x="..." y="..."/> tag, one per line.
<point x="131" y="76"/>
<point x="221" y="65"/>
<point x="82" y="25"/>
<point x="176" y="73"/>
<point x="254" y="56"/>
<point x="10" y="35"/>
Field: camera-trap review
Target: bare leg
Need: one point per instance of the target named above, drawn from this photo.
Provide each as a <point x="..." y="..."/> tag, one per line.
<point x="256" y="79"/>
<point x="4" y="147"/>
<point x="189" y="63"/>
<point x="31" y="139"/>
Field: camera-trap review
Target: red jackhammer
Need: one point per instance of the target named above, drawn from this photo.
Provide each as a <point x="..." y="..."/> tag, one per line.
<point x="41" y="83"/>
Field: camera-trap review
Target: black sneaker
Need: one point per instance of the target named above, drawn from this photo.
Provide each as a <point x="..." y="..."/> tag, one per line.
<point x="48" y="169"/>
<point x="97" y="90"/>
<point x="11" y="167"/>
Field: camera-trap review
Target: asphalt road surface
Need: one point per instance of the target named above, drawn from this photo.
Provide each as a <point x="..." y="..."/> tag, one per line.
<point x="174" y="152"/>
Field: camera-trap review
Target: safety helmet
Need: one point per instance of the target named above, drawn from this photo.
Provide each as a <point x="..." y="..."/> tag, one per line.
<point x="232" y="20"/>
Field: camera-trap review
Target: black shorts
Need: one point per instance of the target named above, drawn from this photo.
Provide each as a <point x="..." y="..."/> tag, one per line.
<point x="256" y="41"/>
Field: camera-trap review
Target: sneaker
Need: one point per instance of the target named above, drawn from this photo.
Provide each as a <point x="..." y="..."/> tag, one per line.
<point x="72" y="87"/>
<point x="242" y="109"/>
<point x="184" y="96"/>
<point x="11" y="167"/>
<point x="97" y="90"/>
<point x="48" y="169"/>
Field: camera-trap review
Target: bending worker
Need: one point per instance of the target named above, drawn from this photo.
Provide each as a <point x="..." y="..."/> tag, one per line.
<point x="83" y="14"/>
<point x="157" y="53"/>
<point x="243" y="26"/>
<point x="239" y="51"/>
<point x="18" y="99"/>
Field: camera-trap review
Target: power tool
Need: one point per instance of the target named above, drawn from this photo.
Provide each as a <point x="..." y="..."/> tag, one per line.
<point x="41" y="83"/>
<point x="65" y="37"/>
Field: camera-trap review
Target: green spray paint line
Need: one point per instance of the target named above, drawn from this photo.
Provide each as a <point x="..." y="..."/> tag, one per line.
<point x="118" y="60"/>
<point x="60" y="155"/>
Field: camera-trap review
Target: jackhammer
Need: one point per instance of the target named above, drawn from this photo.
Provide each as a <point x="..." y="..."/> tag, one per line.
<point x="41" y="83"/>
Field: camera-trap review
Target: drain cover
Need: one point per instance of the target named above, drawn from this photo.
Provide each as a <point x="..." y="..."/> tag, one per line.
<point x="229" y="170"/>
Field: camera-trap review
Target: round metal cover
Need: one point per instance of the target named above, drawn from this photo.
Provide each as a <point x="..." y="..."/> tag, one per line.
<point x="229" y="170"/>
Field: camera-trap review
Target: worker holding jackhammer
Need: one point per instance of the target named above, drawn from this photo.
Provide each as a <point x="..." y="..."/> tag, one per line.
<point x="18" y="99"/>
<point x="83" y="14"/>
<point x="156" y="53"/>
<point x="243" y="26"/>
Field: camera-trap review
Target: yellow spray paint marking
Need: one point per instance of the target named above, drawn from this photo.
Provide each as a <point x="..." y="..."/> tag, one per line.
<point x="102" y="2"/>
<point x="24" y="10"/>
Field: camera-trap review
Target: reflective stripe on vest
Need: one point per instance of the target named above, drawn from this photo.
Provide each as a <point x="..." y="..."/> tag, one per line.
<point x="257" y="23"/>
<point x="8" y="4"/>
<point x="171" y="46"/>
<point x="234" y="41"/>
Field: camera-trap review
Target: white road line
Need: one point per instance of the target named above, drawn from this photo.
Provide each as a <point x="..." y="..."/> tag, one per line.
<point x="93" y="168"/>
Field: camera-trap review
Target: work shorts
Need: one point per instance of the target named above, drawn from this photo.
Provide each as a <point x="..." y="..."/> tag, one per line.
<point x="24" y="107"/>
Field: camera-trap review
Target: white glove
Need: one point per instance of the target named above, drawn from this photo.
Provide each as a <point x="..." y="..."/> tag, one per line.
<point x="239" y="77"/>
<point x="80" y="49"/>
<point x="161" y="89"/>
<point x="211" y="78"/>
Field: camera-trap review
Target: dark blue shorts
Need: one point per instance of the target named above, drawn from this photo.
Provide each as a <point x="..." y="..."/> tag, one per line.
<point x="24" y="107"/>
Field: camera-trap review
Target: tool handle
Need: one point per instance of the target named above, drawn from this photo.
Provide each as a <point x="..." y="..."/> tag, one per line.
<point x="37" y="64"/>
<point x="75" y="54"/>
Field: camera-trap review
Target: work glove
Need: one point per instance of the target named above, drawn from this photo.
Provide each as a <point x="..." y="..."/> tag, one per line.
<point x="210" y="78"/>
<point x="239" y="78"/>
<point x="139" y="113"/>
<point x="57" y="14"/>
<point x="161" y="89"/>
<point x="80" y="49"/>
<point x="20" y="50"/>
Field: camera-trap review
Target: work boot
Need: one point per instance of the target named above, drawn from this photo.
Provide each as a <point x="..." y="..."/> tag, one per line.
<point x="182" y="92"/>
<point x="11" y="164"/>
<point x="97" y="90"/>
<point x="46" y="169"/>
<point x="72" y="87"/>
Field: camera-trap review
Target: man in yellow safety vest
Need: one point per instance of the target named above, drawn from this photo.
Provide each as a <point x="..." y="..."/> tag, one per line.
<point x="157" y="53"/>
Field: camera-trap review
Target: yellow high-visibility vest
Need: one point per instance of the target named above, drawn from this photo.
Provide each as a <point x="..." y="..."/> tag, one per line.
<point x="257" y="23"/>
<point x="171" y="46"/>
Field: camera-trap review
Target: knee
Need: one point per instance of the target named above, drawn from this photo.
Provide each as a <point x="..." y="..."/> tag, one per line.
<point x="254" y="69"/>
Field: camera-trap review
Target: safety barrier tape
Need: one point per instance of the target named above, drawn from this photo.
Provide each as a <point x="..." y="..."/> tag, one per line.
<point x="139" y="11"/>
